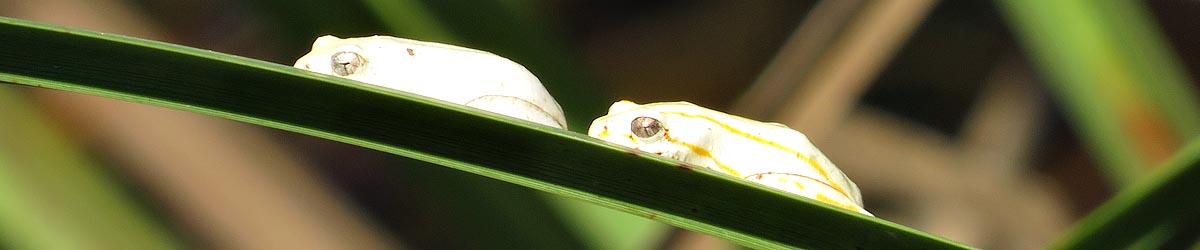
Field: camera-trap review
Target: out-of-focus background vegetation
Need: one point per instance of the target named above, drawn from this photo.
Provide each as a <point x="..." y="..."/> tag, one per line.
<point x="992" y="124"/>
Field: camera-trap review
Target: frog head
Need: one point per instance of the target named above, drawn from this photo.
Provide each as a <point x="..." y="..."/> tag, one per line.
<point x="364" y="59"/>
<point x="651" y="128"/>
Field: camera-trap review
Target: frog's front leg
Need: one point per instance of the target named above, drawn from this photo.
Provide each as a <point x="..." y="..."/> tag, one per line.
<point x="517" y="107"/>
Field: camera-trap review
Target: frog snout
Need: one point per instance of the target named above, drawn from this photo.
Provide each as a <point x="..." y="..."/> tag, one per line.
<point x="598" y="129"/>
<point x="303" y="63"/>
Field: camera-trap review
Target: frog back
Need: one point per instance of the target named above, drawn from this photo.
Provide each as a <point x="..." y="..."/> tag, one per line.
<point x="753" y="148"/>
<point x="456" y="74"/>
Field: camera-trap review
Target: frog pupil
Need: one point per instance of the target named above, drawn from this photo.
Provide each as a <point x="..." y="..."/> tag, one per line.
<point x="346" y="63"/>
<point x="646" y="127"/>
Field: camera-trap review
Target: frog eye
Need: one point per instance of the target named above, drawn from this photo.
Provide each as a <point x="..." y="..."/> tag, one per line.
<point x="646" y="127"/>
<point x="346" y="63"/>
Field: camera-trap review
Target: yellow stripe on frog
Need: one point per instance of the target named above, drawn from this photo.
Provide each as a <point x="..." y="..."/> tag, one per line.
<point x="703" y="152"/>
<point x="827" y="200"/>
<point x="731" y="129"/>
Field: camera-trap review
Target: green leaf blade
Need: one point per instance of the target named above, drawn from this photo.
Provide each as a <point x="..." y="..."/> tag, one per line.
<point x="547" y="159"/>
<point x="1164" y="198"/>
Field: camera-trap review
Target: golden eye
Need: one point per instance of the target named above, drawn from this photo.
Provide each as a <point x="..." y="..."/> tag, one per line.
<point x="646" y="127"/>
<point x="346" y="63"/>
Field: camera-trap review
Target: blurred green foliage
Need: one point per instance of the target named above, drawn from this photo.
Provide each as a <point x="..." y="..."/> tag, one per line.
<point x="53" y="197"/>
<point x="1114" y="76"/>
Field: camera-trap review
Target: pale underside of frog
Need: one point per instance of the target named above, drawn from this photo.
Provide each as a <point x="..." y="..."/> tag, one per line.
<point x="766" y="153"/>
<point x="450" y="73"/>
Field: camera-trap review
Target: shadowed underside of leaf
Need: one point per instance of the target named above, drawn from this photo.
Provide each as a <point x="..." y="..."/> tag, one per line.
<point x="520" y="152"/>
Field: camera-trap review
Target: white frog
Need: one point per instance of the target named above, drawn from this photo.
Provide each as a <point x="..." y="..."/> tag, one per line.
<point x="450" y="73"/>
<point x="767" y="153"/>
